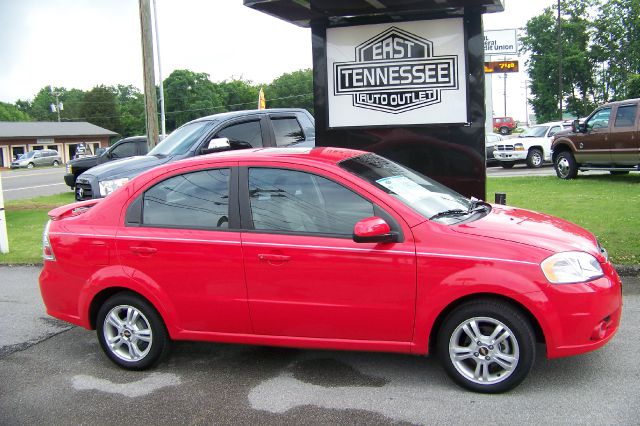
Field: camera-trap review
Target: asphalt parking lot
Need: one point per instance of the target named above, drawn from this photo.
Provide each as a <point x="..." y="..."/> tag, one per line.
<point x="53" y="373"/>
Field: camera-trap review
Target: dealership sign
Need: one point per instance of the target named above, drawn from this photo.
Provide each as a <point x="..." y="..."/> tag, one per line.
<point x="501" y="42"/>
<point x="405" y="73"/>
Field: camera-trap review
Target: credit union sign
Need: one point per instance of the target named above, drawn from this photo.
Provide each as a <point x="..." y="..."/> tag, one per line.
<point x="401" y="73"/>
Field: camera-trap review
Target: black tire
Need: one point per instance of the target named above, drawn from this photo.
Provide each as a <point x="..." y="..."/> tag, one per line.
<point x="130" y="348"/>
<point x="56" y="163"/>
<point x="507" y="164"/>
<point x="565" y="165"/>
<point x="30" y="166"/>
<point x="619" y="172"/>
<point x="535" y="158"/>
<point x="516" y="348"/>
<point x="504" y="130"/>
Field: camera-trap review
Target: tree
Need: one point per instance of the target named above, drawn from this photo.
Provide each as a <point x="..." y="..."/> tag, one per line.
<point x="238" y="95"/>
<point x="291" y="90"/>
<point x="190" y="95"/>
<point x="616" y="42"/>
<point x="131" y="111"/>
<point x="100" y="107"/>
<point x="634" y="86"/>
<point x="40" y="108"/>
<point x="10" y="112"/>
<point x="541" y="41"/>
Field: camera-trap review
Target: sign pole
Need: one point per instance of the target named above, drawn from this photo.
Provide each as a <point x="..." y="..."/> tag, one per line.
<point x="4" y="241"/>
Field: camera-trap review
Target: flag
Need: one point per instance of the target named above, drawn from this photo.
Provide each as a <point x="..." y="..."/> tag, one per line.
<point x="262" y="104"/>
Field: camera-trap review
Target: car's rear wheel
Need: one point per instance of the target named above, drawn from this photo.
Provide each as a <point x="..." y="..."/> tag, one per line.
<point x="507" y="164"/>
<point x="486" y="346"/>
<point x="55" y="163"/>
<point x="30" y="166"/>
<point x="566" y="166"/>
<point x="535" y="158"/>
<point x="131" y="332"/>
<point x="504" y="130"/>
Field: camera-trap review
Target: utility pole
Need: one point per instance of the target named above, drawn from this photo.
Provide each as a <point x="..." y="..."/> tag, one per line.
<point x="150" y="100"/>
<point x="505" y="94"/>
<point x="157" y="31"/>
<point x="526" y="102"/>
<point x="4" y="240"/>
<point x="559" y="61"/>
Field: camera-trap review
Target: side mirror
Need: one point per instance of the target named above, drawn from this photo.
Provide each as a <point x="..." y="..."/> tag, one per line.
<point x="373" y="230"/>
<point x="216" y="144"/>
<point x="575" y="126"/>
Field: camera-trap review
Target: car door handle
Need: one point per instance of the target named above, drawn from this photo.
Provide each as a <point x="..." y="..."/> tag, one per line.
<point x="274" y="257"/>
<point x="143" y="250"/>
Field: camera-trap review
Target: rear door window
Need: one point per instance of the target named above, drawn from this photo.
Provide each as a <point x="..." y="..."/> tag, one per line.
<point x="287" y="131"/>
<point x="626" y="116"/>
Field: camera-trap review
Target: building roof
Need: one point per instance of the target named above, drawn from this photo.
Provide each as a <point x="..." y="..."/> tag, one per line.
<point x="42" y="129"/>
<point x="304" y="12"/>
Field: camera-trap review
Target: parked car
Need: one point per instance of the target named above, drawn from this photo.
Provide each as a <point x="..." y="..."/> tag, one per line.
<point x="41" y="157"/>
<point x="504" y="125"/>
<point x="609" y="139"/>
<point x="283" y="127"/>
<point x="532" y="147"/>
<point x="124" y="148"/>
<point x="490" y="141"/>
<point x="326" y="248"/>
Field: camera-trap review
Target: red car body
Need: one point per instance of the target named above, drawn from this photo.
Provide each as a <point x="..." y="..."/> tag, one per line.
<point x="284" y="289"/>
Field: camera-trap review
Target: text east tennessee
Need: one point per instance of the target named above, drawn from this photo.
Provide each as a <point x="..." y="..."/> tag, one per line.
<point x="428" y="73"/>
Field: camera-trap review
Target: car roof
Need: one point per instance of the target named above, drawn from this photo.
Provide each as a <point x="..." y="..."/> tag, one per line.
<point x="233" y="114"/>
<point x="326" y="155"/>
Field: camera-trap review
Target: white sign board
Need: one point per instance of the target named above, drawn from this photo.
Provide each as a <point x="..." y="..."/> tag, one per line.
<point x="501" y="42"/>
<point x="397" y="74"/>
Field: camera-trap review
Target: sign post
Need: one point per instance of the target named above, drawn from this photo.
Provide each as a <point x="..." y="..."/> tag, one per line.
<point x="4" y="241"/>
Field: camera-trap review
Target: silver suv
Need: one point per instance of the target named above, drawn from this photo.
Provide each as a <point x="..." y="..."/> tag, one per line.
<point x="41" y="157"/>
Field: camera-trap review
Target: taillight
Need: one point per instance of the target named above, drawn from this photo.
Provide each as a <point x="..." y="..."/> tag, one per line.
<point x="47" y="250"/>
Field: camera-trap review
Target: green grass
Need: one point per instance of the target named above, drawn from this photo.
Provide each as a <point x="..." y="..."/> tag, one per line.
<point x="608" y="206"/>
<point x="25" y="222"/>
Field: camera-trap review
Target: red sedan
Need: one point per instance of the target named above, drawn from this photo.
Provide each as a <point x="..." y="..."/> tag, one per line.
<point x="326" y="248"/>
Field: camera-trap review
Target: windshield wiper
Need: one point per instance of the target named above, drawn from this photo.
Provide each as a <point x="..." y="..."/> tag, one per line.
<point x="454" y="212"/>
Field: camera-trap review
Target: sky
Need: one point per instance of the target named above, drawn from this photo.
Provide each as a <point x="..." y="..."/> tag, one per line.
<point x="84" y="43"/>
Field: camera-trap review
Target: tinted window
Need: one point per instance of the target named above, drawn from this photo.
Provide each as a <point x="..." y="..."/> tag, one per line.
<point x="124" y="150"/>
<point x="181" y="139"/>
<point x="626" y="116"/>
<point x="287" y="131"/>
<point x="600" y="119"/>
<point x="192" y="200"/>
<point x="249" y="131"/>
<point x="554" y="130"/>
<point x="287" y="200"/>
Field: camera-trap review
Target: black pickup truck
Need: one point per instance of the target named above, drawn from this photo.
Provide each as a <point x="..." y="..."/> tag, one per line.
<point x="124" y="148"/>
<point x="281" y="127"/>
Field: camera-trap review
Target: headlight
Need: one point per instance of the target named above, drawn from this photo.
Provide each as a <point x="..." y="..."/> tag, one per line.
<point x="69" y="170"/>
<point x="108" y="186"/>
<point x="518" y="147"/>
<point x="571" y="267"/>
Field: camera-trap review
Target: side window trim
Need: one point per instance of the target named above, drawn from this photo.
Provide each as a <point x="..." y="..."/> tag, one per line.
<point x="246" y="216"/>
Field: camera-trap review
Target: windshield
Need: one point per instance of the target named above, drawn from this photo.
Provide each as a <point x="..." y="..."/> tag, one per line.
<point x="27" y="155"/>
<point x="426" y="196"/>
<point x="535" y="132"/>
<point x="181" y="139"/>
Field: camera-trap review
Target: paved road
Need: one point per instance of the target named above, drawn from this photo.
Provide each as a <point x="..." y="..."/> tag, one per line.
<point x="28" y="183"/>
<point x="65" y="379"/>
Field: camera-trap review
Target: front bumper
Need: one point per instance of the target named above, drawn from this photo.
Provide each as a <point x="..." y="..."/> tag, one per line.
<point x="589" y="315"/>
<point x="87" y="188"/>
<point x="70" y="180"/>
<point x="510" y="155"/>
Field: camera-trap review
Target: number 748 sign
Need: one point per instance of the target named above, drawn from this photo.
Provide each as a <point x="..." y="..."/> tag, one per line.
<point x="500" y="66"/>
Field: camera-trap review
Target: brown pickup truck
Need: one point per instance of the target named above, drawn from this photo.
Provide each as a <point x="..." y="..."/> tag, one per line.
<point x="609" y="139"/>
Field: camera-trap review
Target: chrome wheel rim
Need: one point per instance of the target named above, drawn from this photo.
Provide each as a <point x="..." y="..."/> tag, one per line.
<point x="536" y="159"/>
<point x="484" y="350"/>
<point x="127" y="333"/>
<point x="563" y="166"/>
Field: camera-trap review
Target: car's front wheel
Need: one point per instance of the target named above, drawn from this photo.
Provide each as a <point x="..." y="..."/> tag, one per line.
<point x="535" y="158"/>
<point x="486" y="346"/>
<point x="566" y="166"/>
<point x="56" y="163"/>
<point x="30" y="166"/>
<point x="131" y="332"/>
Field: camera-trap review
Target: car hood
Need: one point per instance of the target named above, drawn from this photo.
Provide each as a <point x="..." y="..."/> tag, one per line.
<point x="84" y="162"/>
<point x="532" y="139"/>
<point x="127" y="167"/>
<point x="533" y="229"/>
